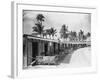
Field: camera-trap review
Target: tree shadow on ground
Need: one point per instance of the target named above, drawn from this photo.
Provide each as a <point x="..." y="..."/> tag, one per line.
<point x="65" y="58"/>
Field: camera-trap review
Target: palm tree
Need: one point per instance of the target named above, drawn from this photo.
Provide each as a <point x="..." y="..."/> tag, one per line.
<point x="53" y="32"/>
<point x="84" y="37"/>
<point x="74" y="35"/>
<point x="88" y="34"/>
<point x="38" y="26"/>
<point x="63" y="31"/>
<point x="48" y="32"/>
<point x="81" y="33"/>
<point x="40" y="18"/>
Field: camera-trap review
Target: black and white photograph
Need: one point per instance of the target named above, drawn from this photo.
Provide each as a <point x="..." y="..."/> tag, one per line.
<point x="56" y="39"/>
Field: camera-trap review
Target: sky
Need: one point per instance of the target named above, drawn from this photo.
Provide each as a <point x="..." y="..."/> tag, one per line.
<point x="74" y="21"/>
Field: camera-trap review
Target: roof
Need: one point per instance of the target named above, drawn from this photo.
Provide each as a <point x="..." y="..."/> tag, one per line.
<point x="57" y="41"/>
<point x="40" y="38"/>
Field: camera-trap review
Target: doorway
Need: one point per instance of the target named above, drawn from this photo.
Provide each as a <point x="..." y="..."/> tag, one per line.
<point x="34" y="51"/>
<point x="46" y="48"/>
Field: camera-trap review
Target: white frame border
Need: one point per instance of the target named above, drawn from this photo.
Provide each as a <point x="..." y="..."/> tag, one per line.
<point x="16" y="67"/>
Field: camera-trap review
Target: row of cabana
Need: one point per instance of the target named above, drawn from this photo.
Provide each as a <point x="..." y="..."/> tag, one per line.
<point x="36" y="46"/>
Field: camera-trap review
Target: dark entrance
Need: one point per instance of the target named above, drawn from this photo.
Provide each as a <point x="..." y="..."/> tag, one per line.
<point x="34" y="51"/>
<point x="46" y="48"/>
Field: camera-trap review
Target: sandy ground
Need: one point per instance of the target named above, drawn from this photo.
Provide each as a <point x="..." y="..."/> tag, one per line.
<point x="79" y="58"/>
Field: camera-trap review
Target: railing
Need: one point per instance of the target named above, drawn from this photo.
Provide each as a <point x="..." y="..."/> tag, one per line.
<point x="44" y="60"/>
<point x="77" y="42"/>
<point x="29" y="57"/>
